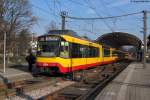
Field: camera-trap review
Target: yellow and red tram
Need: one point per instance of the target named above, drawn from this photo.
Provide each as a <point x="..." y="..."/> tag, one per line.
<point x="66" y="53"/>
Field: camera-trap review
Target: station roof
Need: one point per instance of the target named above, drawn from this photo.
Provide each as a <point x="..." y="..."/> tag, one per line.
<point x="118" y="39"/>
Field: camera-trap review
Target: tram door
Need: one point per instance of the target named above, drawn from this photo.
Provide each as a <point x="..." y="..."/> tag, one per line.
<point x="78" y="56"/>
<point x="106" y="55"/>
<point x="64" y="53"/>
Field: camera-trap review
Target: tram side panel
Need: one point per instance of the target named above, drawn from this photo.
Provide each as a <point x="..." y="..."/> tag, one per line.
<point x="84" y="56"/>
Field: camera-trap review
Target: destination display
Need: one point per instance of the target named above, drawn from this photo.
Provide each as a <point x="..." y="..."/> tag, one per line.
<point x="52" y="38"/>
<point x="49" y="38"/>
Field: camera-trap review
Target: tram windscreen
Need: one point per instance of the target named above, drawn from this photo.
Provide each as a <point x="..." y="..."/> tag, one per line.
<point x="48" y="47"/>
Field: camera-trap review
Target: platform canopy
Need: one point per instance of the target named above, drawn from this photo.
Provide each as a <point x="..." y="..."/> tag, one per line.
<point x="118" y="39"/>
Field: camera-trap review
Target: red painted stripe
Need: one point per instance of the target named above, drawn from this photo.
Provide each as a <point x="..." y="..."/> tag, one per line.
<point x="47" y="65"/>
<point x="108" y="62"/>
<point x="63" y="69"/>
<point x="86" y="66"/>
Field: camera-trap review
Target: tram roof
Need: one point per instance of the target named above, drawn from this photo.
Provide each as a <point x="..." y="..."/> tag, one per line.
<point x="64" y="32"/>
<point x="69" y="33"/>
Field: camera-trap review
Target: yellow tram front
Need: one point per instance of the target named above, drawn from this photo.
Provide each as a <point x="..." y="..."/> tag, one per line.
<point x="52" y="51"/>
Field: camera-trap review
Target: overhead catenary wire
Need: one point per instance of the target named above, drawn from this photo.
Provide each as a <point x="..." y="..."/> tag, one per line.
<point x="76" y="2"/>
<point x="43" y="10"/>
<point x="94" y="9"/>
<point x="97" y="18"/>
<point x="50" y="9"/>
<point x="59" y="5"/>
<point x="85" y="5"/>
<point x="117" y="8"/>
<point x="148" y="12"/>
<point x="114" y="21"/>
<point x="124" y="15"/>
<point x="39" y="8"/>
<point x="93" y="6"/>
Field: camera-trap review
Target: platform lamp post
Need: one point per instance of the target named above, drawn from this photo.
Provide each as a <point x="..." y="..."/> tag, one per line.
<point x="4" y="52"/>
<point x="144" y="37"/>
<point x="3" y="26"/>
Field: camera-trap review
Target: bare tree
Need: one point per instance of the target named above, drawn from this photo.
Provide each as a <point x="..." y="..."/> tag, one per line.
<point x="23" y="42"/>
<point x="2" y="25"/>
<point x="17" y="14"/>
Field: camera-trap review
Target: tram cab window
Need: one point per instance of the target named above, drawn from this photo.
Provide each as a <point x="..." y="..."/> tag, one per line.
<point x="48" y="48"/>
<point x="64" y="49"/>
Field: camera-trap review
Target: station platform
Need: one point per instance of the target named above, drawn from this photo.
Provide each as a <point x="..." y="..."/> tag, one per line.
<point x="133" y="83"/>
<point x="14" y="73"/>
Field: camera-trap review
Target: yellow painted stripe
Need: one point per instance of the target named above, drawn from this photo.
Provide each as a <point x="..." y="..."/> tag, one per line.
<point x="80" y="41"/>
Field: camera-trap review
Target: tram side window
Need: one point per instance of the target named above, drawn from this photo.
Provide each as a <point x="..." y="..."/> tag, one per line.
<point x="64" y="49"/>
<point x="83" y="51"/>
<point x="106" y="52"/>
<point x="93" y="52"/>
<point x="114" y="53"/>
<point x="96" y="52"/>
<point x="76" y="50"/>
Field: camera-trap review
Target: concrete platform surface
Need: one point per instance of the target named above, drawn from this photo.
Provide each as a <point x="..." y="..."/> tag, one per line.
<point x="131" y="84"/>
<point x="13" y="74"/>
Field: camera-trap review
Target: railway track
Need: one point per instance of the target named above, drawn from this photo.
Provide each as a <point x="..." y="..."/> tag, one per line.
<point x="35" y="88"/>
<point x="90" y="87"/>
<point x="87" y="85"/>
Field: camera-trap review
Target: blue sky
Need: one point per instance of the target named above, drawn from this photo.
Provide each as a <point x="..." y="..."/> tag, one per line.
<point x="49" y="10"/>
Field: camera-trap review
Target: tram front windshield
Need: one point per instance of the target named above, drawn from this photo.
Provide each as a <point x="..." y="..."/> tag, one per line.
<point x="48" y="48"/>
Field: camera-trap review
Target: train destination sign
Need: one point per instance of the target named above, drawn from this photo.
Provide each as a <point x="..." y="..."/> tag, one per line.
<point x="52" y="38"/>
<point x="49" y="38"/>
